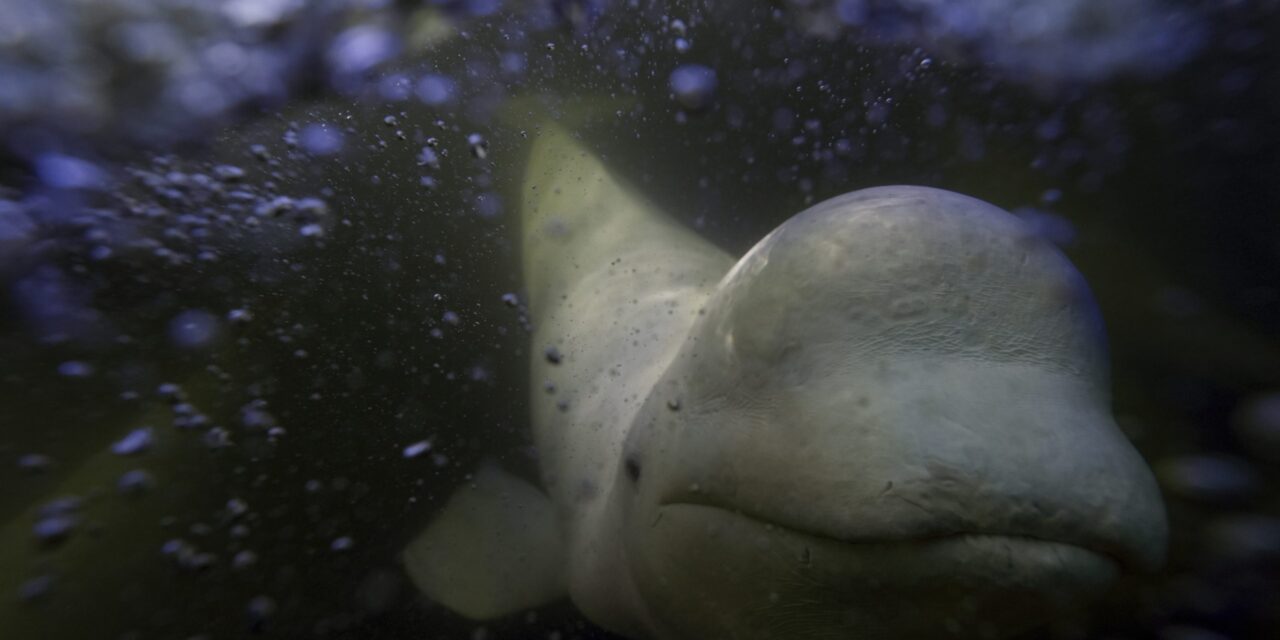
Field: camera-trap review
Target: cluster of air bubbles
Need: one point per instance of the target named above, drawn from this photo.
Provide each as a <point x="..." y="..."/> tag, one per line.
<point x="1039" y="42"/>
<point x="680" y="32"/>
<point x="57" y="519"/>
<point x="176" y="212"/>
<point x="158" y="73"/>
<point x="144" y="71"/>
<point x="187" y="556"/>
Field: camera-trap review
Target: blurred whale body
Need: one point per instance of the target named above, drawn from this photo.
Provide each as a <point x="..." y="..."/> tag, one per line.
<point x="889" y="419"/>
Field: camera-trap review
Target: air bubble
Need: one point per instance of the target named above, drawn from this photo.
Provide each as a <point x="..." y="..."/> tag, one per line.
<point x="137" y="441"/>
<point x="694" y="85"/>
<point x="435" y="89"/>
<point x="193" y="329"/>
<point x="75" y="369"/>
<point x="135" y="482"/>
<point x="416" y="449"/>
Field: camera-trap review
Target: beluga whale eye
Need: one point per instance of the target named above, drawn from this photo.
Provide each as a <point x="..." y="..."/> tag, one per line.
<point x="632" y="466"/>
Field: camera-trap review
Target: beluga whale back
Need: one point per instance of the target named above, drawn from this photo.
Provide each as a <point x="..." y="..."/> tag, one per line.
<point x="889" y="419"/>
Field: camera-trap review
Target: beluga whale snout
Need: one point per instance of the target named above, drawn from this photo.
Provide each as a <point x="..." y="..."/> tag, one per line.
<point x="889" y="419"/>
<point x="897" y="404"/>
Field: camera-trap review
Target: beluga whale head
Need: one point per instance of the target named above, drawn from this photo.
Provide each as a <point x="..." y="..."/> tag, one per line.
<point x="891" y="416"/>
<point x="889" y="419"/>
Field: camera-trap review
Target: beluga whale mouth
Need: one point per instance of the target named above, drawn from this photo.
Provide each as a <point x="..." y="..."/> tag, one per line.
<point x="889" y="419"/>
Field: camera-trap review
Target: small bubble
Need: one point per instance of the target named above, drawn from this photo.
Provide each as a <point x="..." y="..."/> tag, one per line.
<point x="55" y="528"/>
<point x="451" y="318"/>
<point x="553" y="355"/>
<point x="435" y="89"/>
<point x="135" y="482"/>
<point x="228" y="173"/>
<point x="36" y="588"/>
<point x="254" y="415"/>
<point x="244" y="559"/>
<point x="694" y="85"/>
<point x="479" y="147"/>
<point x="341" y="544"/>
<point x="216" y="438"/>
<point x="320" y="139"/>
<point x="75" y="369"/>
<point x="416" y="449"/>
<point x="237" y="507"/>
<point x="137" y="441"/>
<point x="34" y="463"/>
<point x="427" y="157"/>
<point x="193" y="329"/>
<point x="171" y="392"/>
<point x="488" y="205"/>
<point x="1209" y="478"/>
<point x="510" y="300"/>
<point x="311" y="208"/>
<point x="258" y="611"/>
<point x="68" y="172"/>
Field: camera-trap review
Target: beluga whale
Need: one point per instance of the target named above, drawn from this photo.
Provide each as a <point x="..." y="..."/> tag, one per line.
<point x="889" y="419"/>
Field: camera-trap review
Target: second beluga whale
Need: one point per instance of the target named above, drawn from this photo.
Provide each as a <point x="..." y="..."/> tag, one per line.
<point x="889" y="419"/>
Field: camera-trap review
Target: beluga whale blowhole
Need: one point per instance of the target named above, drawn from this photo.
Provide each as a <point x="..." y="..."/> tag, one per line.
<point x="889" y="419"/>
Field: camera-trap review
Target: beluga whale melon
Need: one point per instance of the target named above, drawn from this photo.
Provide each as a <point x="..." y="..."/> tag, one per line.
<point x="889" y="419"/>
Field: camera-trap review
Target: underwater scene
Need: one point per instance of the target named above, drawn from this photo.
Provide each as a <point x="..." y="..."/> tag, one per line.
<point x="664" y="319"/>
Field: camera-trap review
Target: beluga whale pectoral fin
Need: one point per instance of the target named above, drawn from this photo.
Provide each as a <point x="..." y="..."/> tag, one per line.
<point x="613" y="284"/>
<point x="577" y="216"/>
<point x="495" y="549"/>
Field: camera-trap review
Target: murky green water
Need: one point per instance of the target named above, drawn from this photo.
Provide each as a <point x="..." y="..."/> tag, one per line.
<point x="291" y="357"/>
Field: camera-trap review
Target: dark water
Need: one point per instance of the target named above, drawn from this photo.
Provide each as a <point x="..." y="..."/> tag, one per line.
<point x="285" y="353"/>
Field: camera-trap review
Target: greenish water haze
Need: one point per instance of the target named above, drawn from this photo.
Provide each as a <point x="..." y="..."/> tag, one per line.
<point x="390" y="327"/>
